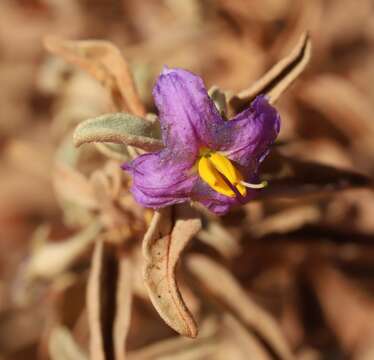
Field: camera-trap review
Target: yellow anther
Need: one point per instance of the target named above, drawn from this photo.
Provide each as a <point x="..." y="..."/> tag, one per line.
<point x="213" y="167"/>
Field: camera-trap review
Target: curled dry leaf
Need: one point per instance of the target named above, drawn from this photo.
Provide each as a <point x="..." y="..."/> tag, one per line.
<point x="104" y="62"/>
<point x="62" y="346"/>
<point x="170" y="231"/>
<point x="51" y="259"/>
<point x="220" y="284"/>
<point x="278" y="78"/>
<point x="120" y="128"/>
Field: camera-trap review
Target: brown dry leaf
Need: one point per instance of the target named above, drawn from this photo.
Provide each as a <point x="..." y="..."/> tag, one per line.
<point x="216" y="236"/>
<point x="181" y="346"/>
<point x="97" y="351"/>
<point x="323" y="151"/>
<point x="278" y="78"/>
<point x="246" y="342"/>
<point x="263" y="11"/>
<point x="21" y="194"/>
<point x="103" y="61"/>
<point x="20" y="328"/>
<point x="170" y="231"/>
<point x="78" y="97"/>
<point x="109" y="300"/>
<point x="107" y="186"/>
<point x="347" y="21"/>
<point x="38" y="162"/>
<point x="72" y="186"/>
<point x="121" y="325"/>
<point x="289" y="178"/>
<point x="287" y="220"/>
<point x="215" y="279"/>
<point x="309" y="354"/>
<point x="51" y="259"/>
<point x="348" y="311"/>
<point x="328" y="94"/>
<point x="62" y="346"/>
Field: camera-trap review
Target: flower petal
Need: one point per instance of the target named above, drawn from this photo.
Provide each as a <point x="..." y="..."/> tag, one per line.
<point x="216" y="202"/>
<point x="187" y="114"/>
<point x="162" y="178"/>
<point x="246" y="139"/>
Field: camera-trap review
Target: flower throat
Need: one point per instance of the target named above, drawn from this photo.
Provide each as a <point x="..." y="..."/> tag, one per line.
<point x="222" y="176"/>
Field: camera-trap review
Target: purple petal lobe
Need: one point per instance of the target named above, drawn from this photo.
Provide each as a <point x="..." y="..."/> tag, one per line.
<point x="187" y="114"/>
<point x="162" y="178"/>
<point x="246" y="139"/>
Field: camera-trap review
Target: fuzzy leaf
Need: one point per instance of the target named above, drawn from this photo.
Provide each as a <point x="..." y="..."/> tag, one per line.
<point x="278" y="78"/>
<point x="169" y="233"/>
<point x="120" y="128"/>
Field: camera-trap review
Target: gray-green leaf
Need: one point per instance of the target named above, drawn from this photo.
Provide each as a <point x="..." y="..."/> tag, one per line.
<point x="120" y="128"/>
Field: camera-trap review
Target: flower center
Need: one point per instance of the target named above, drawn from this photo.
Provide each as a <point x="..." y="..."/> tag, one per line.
<point x="222" y="176"/>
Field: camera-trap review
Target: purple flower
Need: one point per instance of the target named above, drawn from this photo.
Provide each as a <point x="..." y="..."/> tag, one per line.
<point x="206" y="158"/>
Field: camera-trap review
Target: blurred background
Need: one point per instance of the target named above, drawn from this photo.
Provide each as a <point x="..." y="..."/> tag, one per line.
<point x="309" y="262"/>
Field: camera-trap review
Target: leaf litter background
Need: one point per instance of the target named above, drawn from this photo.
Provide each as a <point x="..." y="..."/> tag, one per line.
<point x="289" y="276"/>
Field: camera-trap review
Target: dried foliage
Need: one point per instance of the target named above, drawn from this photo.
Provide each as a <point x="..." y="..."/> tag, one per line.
<point x="87" y="273"/>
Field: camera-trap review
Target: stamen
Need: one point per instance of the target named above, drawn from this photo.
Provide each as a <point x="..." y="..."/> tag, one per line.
<point x="233" y="188"/>
<point x="261" y="185"/>
<point x="221" y="175"/>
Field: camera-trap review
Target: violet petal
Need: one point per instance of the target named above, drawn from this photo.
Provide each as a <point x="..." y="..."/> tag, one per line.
<point x="187" y="114"/>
